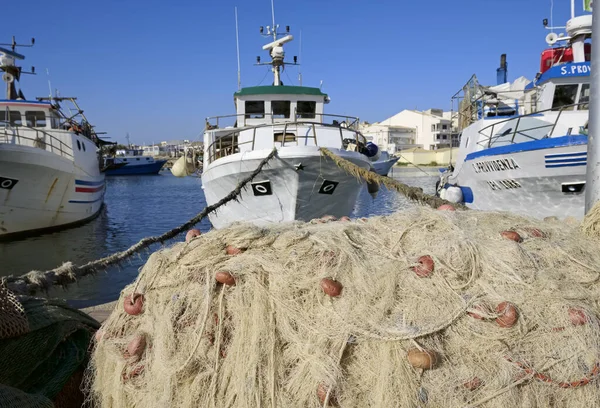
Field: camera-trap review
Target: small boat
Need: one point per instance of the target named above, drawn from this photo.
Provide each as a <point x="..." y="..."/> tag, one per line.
<point x="50" y="163"/>
<point x="523" y="146"/>
<point x="383" y="165"/>
<point x="298" y="183"/>
<point x="133" y="162"/>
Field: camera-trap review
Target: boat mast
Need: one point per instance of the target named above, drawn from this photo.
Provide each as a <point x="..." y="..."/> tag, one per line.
<point x="276" y="48"/>
<point x="12" y="72"/>
<point x="592" y="182"/>
<point x="237" y="46"/>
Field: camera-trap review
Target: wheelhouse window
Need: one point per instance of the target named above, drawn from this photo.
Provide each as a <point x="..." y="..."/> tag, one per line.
<point x="12" y="117"/>
<point x="564" y="95"/>
<point x="584" y="97"/>
<point x="281" y="109"/>
<point x="35" y="118"/>
<point x="255" y="109"/>
<point x="306" y="109"/>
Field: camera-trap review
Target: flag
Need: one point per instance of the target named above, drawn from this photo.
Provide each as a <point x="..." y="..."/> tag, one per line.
<point x="587" y="5"/>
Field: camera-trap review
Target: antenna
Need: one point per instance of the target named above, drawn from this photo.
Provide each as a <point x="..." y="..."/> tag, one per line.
<point x="300" y="60"/>
<point x="572" y="8"/>
<point x="237" y="44"/>
<point x="275" y="48"/>
<point x="273" y="14"/>
<point x="49" y="85"/>
<point x="552" y="14"/>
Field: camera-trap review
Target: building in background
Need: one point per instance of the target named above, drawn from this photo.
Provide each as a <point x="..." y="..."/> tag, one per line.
<point x="430" y="130"/>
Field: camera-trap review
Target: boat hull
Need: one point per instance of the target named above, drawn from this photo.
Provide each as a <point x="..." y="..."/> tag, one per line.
<point x="383" y="167"/>
<point x="297" y="184"/>
<point x="137" y="169"/>
<point x="537" y="182"/>
<point x="45" y="191"/>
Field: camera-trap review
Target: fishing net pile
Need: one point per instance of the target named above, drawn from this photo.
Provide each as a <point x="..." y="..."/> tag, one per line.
<point x="43" y="352"/>
<point x="420" y="308"/>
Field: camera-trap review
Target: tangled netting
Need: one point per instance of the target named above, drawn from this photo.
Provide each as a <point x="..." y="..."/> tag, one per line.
<point x="420" y="308"/>
<point x="43" y="351"/>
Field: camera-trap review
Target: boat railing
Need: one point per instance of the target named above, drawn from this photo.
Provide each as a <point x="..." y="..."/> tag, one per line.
<point x="271" y="119"/>
<point x="491" y="137"/>
<point x="229" y="143"/>
<point x="34" y="137"/>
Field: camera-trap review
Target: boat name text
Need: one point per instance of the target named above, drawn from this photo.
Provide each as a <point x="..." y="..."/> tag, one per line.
<point x="495" y="165"/>
<point x="575" y="69"/>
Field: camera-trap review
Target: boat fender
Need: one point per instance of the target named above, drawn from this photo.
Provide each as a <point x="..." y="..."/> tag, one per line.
<point x="454" y="195"/>
<point x="372" y="151"/>
<point x="181" y="168"/>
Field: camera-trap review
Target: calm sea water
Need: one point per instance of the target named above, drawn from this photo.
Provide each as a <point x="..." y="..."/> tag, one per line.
<point x="141" y="206"/>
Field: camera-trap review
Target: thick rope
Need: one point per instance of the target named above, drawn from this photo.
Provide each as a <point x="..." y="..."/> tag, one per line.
<point x="412" y="193"/>
<point x="67" y="273"/>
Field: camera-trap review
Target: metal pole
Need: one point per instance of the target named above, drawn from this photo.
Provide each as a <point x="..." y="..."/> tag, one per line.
<point x="592" y="180"/>
<point x="237" y="46"/>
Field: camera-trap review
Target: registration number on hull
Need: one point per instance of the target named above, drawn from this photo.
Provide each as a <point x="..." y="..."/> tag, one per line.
<point x="503" y="184"/>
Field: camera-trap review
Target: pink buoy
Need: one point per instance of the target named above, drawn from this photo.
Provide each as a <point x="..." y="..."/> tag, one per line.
<point x="191" y="234"/>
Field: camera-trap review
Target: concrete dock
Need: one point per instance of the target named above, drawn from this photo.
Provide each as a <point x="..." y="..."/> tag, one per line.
<point x="100" y="312"/>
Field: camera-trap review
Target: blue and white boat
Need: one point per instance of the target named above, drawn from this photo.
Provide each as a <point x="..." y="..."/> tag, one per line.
<point x="523" y="146"/>
<point x="133" y="162"/>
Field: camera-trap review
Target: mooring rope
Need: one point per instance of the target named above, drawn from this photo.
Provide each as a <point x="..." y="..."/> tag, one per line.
<point x="410" y="192"/>
<point x="34" y="281"/>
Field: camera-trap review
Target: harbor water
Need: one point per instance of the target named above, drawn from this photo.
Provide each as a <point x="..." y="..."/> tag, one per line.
<point x="141" y="206"/>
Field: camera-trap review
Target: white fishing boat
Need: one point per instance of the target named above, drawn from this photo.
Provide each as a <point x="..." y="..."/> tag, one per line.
<point x="523" y="146"/>
<point x="50" y="175"/>
<point x="299" y="183"/>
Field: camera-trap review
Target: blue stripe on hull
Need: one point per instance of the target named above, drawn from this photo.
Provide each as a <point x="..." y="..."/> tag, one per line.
<point x="557" y="155"/>
<point x="151" y="168"/>
<point x="551" y="166"/>
<point x="549" y="143"/>
<point x="89" y="183"/>
<point x="86" y="202"/>
<point x="573" y="160"/>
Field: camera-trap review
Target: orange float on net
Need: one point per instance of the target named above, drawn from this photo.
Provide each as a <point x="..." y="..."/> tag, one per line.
<point x="225" y="278"/>
<point x="473" y="384"/>
<point x="534" y="232"/>
<point x="577" y="316"/>
<point x="425" y="267"/>
<point x="425" y="360"/>
<point x="345" y="218"/>
<point x="446" y="207"/>
<point x="331" y="287"/>
<point x="136" y="346"/>
<point x="507" y="314"/>
<point x="231" y="250"/>
<point x="511" y="235"/>
<point x="322" y="395"/>
<point x="134" y="304"/>
<point x="191" y="234"/>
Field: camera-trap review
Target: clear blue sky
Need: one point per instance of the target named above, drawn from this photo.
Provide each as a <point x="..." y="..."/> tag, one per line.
<point x="156" y="69"/>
